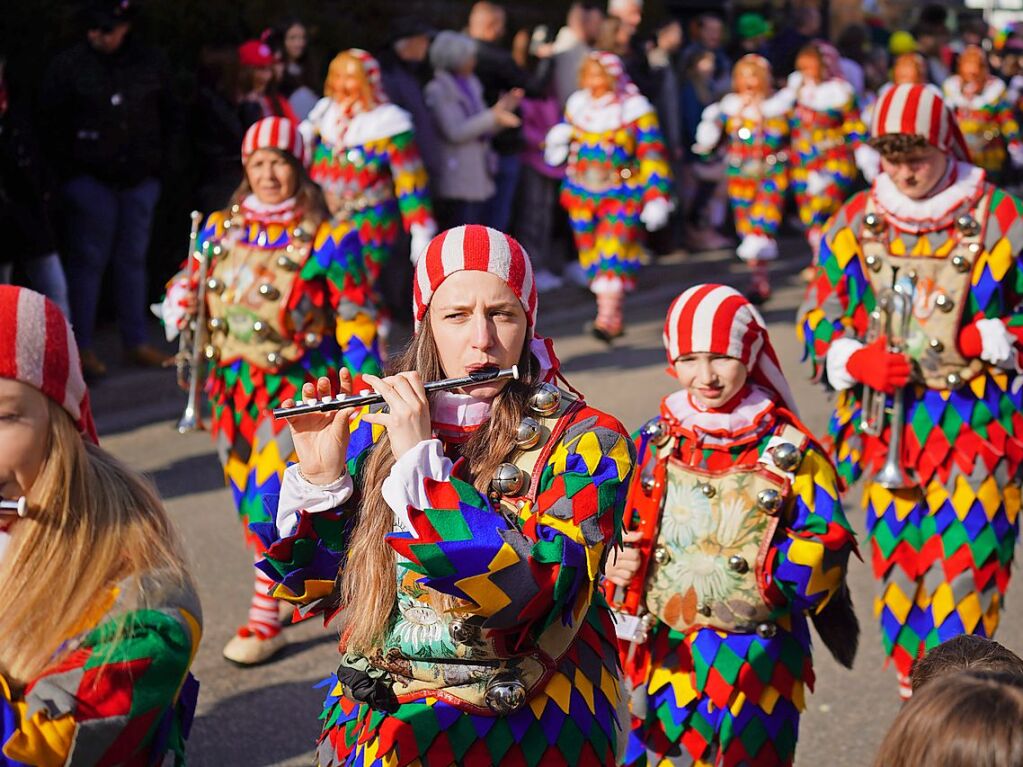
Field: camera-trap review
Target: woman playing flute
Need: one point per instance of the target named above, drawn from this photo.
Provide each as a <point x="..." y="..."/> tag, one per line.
<point x="288" y="301"/>
<point x="100" y="621"/>
<point x="462" y="535"/>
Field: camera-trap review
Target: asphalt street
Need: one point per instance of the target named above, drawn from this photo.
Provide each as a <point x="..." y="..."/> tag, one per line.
<point x="268" y="715"/>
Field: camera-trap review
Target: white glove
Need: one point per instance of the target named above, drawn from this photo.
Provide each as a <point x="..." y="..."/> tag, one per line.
<point x="1016" y="156"/>
<point x="556" y="144"/>
<point x="170" y="310"/>
<point x="421" y="235"/>
<point x="655" y="214"/>
<point x="997" y="343"/>
<point x="816" y="183"/>
<point x="868" y="161"/>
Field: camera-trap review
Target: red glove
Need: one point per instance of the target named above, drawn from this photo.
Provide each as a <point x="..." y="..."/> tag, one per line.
<point x="970" y="342"/>
<point x="878" y="368"/>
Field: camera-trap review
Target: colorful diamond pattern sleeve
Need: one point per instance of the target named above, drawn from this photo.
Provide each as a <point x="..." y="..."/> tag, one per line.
<point x="942" y="550"/>
<point x="121" y="696"/>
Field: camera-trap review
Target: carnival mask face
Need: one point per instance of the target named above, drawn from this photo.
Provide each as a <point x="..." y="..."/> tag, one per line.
<point x="24" y="430"/>
<point x="810" y="67"/>
<point x="750" y="82"/>
<point x="712" y="380"/>
<point x="916" y="174"/>
<point x="477" y="322"/>
<point x="907" y="71"/>
<point x="271" y="176"/>
<point x="972" y="74"/>
<point x="348" y="81"/>
<point x="594" y="79"/>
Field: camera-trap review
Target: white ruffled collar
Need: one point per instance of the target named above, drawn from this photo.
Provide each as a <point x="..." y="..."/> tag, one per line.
<point x="610" y="112"/>
<point x="336" y="128"/>
<point x="989" y="94"/>
<point x="964" y="186"/>
<point x="821" y="97"/>
<point x="253" y="209"/>
<point x="743" y="422"/>
<point x="774" y="105"/>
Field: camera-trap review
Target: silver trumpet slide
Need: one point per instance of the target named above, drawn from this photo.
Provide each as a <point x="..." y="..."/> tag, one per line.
<point x="328" y="404"/>
<point x="189" y="359"/>
<point x="18" y="508"/>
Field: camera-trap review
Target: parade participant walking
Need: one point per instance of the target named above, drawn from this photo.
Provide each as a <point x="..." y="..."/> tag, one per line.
<point x="473" y="633"/>
<point x="914" y="310"/>
<point x="365" y="158"/>
<point x="288" y="300"/>
<point x="754" y="123"/>
<point x="618" y="182"/>
<point x="986" y="116"/>
<point x="735" y="533"/>
<point x="828" y="140"/>
<point x="101" y="619"/>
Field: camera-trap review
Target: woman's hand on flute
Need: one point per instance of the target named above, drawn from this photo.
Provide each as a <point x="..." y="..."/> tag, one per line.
<point x="408" y="418"/>
<point x="321" y="439"/>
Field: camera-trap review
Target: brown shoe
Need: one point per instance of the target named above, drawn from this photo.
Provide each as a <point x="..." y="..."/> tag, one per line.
<point x="92" y="366"/>
<point x="146" y="356"/>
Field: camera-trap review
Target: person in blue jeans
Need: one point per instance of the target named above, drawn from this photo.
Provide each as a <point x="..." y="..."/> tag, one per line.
<point x="110" y="120"/>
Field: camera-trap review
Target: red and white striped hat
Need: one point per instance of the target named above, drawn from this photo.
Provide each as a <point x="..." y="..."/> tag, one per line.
<point x="717" y="319"/>
<point x="38" y="348"/>
<point x="274" y="133"/>
<point x="474" y="248"/>
<point x="919" y="110"/>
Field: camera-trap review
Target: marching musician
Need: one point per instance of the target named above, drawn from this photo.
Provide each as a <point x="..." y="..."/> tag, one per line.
<point x="927" y="261"/>
<point x="288" y="300"/>
<point x="100" y="619"/>
<point x="734" y="535"/>
<point x="462" y="533"/>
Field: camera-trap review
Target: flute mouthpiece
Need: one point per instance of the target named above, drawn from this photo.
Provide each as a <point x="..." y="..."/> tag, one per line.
<point x="515" y="372"/>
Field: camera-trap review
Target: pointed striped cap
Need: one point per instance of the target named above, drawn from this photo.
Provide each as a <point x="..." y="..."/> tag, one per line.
<point x="474" y="248"/>
<point x="274" y="133"/>
<point x="717" y="319"/>
<point x="38" y="348"/>
<point x="919" y="110"/>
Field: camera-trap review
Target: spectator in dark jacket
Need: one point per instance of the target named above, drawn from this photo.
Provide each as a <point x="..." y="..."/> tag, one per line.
<point x="112" y="121"/>
<point x="216" y="127"/>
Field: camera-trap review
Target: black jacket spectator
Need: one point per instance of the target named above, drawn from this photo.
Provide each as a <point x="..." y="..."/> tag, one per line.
<point x="498" y="73"/>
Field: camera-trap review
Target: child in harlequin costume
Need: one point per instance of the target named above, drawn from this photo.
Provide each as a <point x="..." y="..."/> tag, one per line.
<point x="101" y="620"/>
<point x="933" y="226"/>
<point x="288" y="300"/>
<point x="365" y="158"/>
<point x="985" y="114"/>
<point x="828" y="138"/>
<point x="754" y="124"/>
<point x="618" y="181"/>
<point x="463" y="535"/>
<point x="734" y="509"/>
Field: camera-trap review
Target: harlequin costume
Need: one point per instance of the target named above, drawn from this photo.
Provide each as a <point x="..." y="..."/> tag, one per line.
<point x="985" y="113"/>
<point x="365" y="158"/>
<point x="523" y="669"/>
<point x="941" y="548"/>
<point x="828" y="143"/>
<point x="756" y="132"/>
<point x="288" y="300"/>
<point x="745" y="536"/>
<point x="119" y="691"/>
<point x="618" y="181"/>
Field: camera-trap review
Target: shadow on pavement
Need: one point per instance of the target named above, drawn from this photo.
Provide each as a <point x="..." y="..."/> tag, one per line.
<point x="194" y="474"/>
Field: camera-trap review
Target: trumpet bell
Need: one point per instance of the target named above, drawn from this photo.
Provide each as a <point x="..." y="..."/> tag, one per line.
<point x="891" y="476"/>
<point x="190" y="421"/>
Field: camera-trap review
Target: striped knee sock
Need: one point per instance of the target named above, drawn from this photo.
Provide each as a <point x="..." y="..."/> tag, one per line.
<point x="263" y="616"/>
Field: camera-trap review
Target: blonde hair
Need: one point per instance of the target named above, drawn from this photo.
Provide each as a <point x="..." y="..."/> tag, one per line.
<point x="336" y="64"/>
<point x="368" y="583"/>
<point x="92" y="523"/>
<point x="756" y="64"/>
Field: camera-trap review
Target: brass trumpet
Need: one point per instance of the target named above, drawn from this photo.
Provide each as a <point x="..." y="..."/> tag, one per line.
<point x="192" y="340"/>
<point x="894" y="310"/>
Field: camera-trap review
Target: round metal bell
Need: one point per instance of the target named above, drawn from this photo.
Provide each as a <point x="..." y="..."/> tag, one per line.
<point x="656" y="432"/>
<point x="770" y="501"/>
<point x="261" y="329"/>
<point x="787" y="456"/>
<point x="738" y="564"/>
<point x="463" y="632"/>
<point x="273" y="359"/>
<point x="944" y="303"/>
<point x="975" y="247"/>
<point x="766" y="630"/>
<point x="705" y="610"/>
<point x="217" y="250"/>
<point x="873" y="222"/>
<point x="936" y="345"/>
<point x="286" y="263"/>
<point x="647" y="483"/>
<point x="312" y="340"/>
<point x="545" y="399"/>
<point x="228" y="223"/>
<point x="298" y="233"/>
<point x="961" y="263"/>
<point x="954" y="380"/>
<point x="211" y="352"/>
<point x="528" y="433"/>
<point x="289" y="248"/>
<point x="707" y="489"/>
<point x="213" y="285"/>
<point x="236" y="208"/>
<point x="968" y="225"/>
<point x="269" y="292"/>
<point x="508" y="479"/>
<point x="505" y="694"/>
<point x="874" y="263"/>
<point x="625" y="173"/>
<point x="744" y="134"/>
<point x="661" y="555"/>
<point x="217" y="325"/>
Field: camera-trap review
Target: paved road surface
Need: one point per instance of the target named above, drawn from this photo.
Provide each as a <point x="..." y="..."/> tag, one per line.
<point x="268" y="716"/>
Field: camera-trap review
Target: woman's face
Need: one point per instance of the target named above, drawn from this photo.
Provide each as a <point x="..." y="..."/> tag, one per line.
<point x="711" y="379"/>
<point x="261" y="78"/>
<point x="594" y="79"/>
<point x="24" y="430"/>
<point x="477" y="322"/>
<point x="295" y="42"/>
<point x="271" y="176"/>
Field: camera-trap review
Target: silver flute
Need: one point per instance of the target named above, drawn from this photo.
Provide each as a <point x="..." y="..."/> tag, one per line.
<point x="328" y="404"/>
<point x="18" y="508"/>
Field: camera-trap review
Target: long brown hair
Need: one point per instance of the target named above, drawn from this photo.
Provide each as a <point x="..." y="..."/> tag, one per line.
<point x="368" y="584"/>
<point x="93" y="523"/>
<point x="969" y="718"/>
<point x="308" y="195"/>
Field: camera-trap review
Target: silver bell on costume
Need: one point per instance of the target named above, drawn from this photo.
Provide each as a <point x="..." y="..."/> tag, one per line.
<point x="462" y="631"/>
<point x="787" y="456"/>
<point x="656" y="432"/>
<point x="508" y="479"/>
<point x="505" y="694"/>
<point x="545" y="399"/>
<point x="528" y="433"/>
